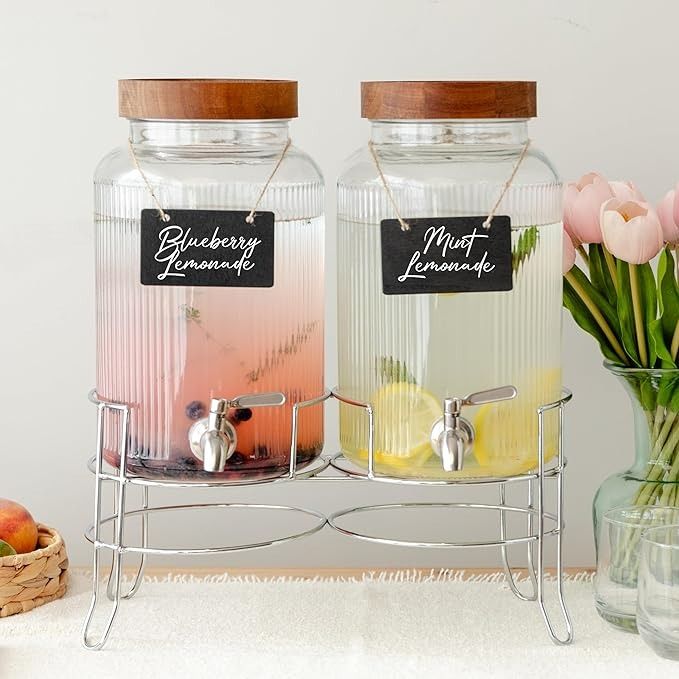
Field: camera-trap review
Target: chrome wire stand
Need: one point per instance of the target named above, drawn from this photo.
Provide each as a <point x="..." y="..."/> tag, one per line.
<point x="122" y="479"/>
<point x="537" y="518"/>
<point x="535" y="536"/>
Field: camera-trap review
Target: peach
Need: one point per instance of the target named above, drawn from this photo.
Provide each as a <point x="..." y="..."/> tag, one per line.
<point x="17" y="527"/>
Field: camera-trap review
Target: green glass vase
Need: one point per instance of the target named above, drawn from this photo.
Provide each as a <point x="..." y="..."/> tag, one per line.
<point x="653" y="478"/>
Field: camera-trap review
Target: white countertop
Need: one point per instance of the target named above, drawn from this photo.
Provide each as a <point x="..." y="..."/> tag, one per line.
<point x="390" y="625"/>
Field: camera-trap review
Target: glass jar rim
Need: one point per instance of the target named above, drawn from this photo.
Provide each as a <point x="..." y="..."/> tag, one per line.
<point x="623" y="370"/>
<point x="611" y="515"/>
<point x="649" y="535"/>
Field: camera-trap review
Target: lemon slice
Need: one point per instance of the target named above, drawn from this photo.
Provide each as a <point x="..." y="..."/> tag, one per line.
<point x="404" y="414"/>
<point x="507" y="432"/>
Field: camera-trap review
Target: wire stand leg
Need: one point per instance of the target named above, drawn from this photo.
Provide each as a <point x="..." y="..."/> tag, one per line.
<point x="116" y="569"/>
<point x="139" y="575"/>
<point x="511" y="581"/>
<point x="530" y="547"/>
<point x="568" y="637"/>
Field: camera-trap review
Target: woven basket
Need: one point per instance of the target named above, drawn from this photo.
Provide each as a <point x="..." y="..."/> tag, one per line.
<point x="36" y="578"/>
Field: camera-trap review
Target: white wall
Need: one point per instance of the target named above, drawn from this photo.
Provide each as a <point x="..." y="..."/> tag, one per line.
<point x="608" y="100"/>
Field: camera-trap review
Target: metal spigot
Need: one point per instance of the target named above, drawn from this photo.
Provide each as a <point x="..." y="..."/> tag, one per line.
<point x="452" y="436"/>
<point x="213" y="439"/>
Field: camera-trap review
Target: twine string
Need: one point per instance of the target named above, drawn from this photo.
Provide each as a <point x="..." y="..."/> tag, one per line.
<point x="486" y="222"/>
<point x="250" y="219"/>
<point x="404" y="225"/>
<point x="507" y="184"/>
<point x="161" y="213"/>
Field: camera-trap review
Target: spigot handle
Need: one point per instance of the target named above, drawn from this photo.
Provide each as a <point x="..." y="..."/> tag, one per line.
<point x="271" y="398"/>
<point x="490" y="396"/>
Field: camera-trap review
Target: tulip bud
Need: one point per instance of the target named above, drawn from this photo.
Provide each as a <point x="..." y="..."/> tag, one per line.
<point x="582" y="206"/>
<point x="676" y="205"/>
<point x="626" y="191"/>
<point x="666" y="214"/>
<point x="631" y="230"/>
<point x="568" y="261"/>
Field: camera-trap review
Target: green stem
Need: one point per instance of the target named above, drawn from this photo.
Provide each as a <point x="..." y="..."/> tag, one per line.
<point x="675" y="342"/>
<point x="584" y="254"/>
<point x="638" y="315"/>
<point x="644" y="493"/>
<point x="663" y="450"/>
<point x="667" y="493"/>
<point x="612" y="270"/>
<point x="657" y="470"/>
<point x="659" y="440"/>
<point x="598" y="317"/>
<point x="673" y="472"/>
<point x="661" y="486"/>
<point x="674" y="348"/>
<point x="656" y="422"/>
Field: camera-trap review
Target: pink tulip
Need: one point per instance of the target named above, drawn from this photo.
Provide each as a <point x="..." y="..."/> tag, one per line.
<point x="626" y="191"/>
<point x="568" y="253"/>
<point x="582" y="205"/>
<point x="676" y="205"/>
<point x="631" y="230"/>
<point x="666" y="214"/>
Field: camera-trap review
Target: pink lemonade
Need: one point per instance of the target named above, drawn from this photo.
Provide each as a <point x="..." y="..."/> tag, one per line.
<point x="166" y="351"/>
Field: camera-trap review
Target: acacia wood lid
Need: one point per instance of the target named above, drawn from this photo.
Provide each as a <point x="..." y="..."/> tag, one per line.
<point x="204" y="99"/>
<point x="425" y="99"/>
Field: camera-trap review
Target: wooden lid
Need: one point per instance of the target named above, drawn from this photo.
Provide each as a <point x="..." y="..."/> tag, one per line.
<point x="199" y="99"/>
<point x="422" y="99"/>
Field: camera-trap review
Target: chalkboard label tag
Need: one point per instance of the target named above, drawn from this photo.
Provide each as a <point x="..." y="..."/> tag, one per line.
<point x="215" y="248"/>
<point x="446" y="254"/>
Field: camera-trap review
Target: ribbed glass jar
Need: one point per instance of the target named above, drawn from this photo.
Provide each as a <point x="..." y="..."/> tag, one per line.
<point x="166" y="351"/>
<point x="404" y="354"/>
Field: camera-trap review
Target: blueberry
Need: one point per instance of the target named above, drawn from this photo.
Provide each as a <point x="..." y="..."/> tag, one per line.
<point x="186" y="462"/>
<point x="242" y="414"/>
<point x="195" y="410"/>
<point x="237" y="458"/>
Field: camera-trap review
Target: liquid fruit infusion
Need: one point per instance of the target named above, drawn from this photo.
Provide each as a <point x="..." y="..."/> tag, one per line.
<point x="183" y="346"/>
<point x="446" y="149"/>
<point x="220" y="145"/>
<point x="419" y="349"/>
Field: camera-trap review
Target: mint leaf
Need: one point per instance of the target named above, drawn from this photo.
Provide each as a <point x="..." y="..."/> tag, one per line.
<point x="524" y="246"/>
<point x="392" y="370"/>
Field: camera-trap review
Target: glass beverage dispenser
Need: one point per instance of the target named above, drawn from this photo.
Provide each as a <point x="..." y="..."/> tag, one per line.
<point x="209" y="235"/>
<point x="449" y="246"/>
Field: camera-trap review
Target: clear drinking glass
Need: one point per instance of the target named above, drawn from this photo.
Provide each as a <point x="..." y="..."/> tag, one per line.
<point x="658" y="590"/>
<point x="619" y="542"/>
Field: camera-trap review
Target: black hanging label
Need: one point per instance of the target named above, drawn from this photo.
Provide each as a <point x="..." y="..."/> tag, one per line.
<point x="215" y="248"/>
<point x="446" y="254"/>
